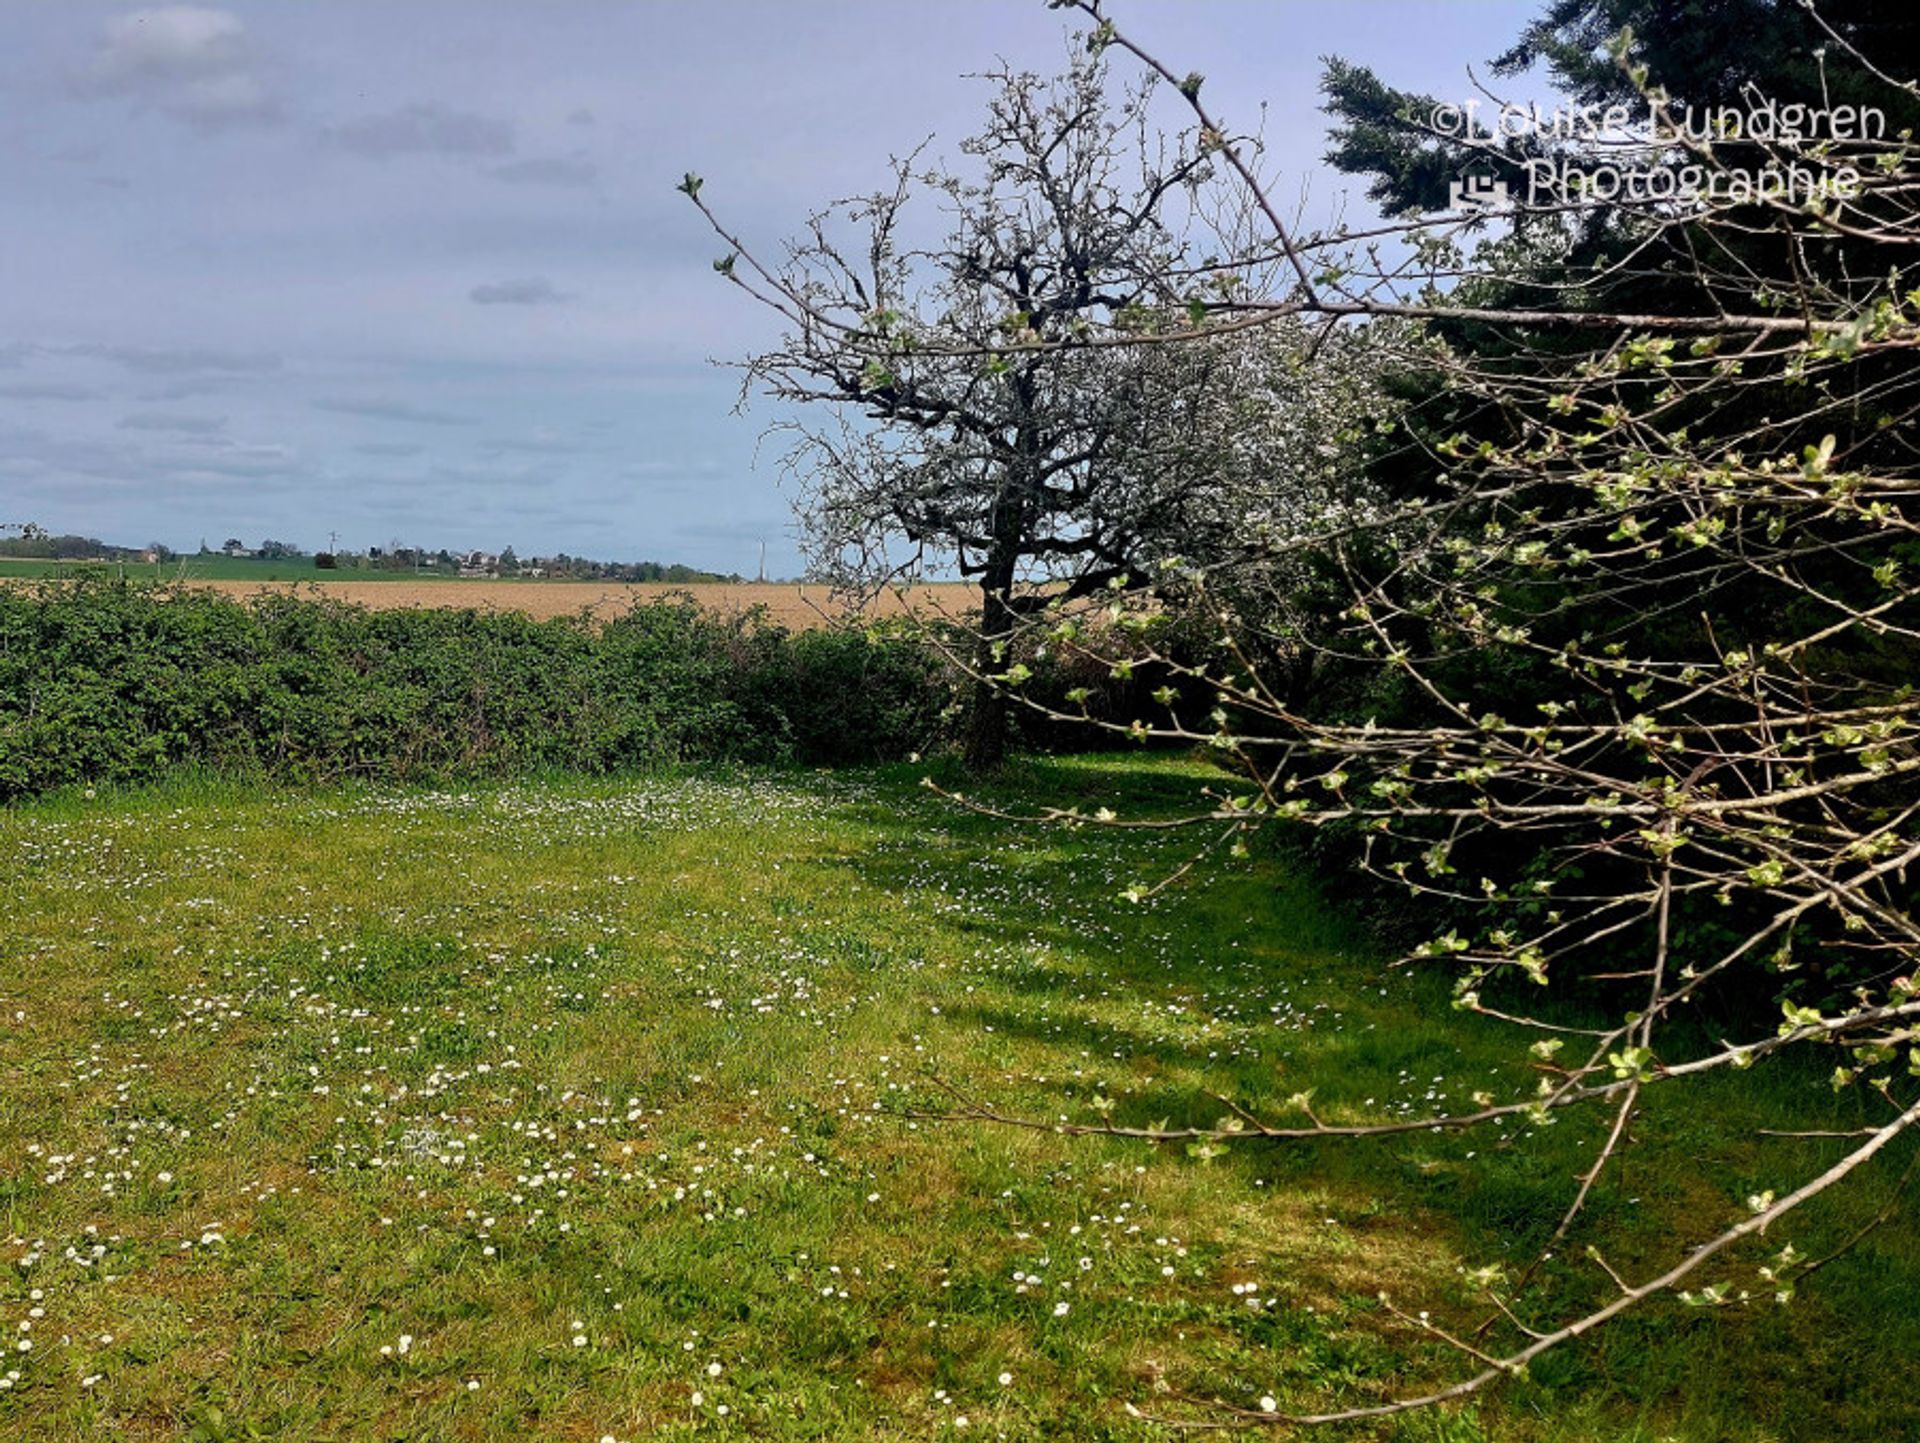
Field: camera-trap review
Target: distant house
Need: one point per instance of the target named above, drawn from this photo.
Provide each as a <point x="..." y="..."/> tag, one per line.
<point x="235" y="548"/>
<point x="479" y="563"/>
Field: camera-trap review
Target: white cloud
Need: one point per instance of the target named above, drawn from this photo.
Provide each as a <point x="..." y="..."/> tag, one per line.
<point x="194" y="64"/>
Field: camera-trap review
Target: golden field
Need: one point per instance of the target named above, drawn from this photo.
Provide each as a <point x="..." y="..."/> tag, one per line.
<point x="789" y="604"/>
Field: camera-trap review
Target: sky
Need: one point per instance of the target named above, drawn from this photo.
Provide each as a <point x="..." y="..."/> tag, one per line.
<point x="416" y="272"/>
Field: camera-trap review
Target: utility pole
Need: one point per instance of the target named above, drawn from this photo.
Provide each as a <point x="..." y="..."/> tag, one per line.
<point x="763" y="562"/>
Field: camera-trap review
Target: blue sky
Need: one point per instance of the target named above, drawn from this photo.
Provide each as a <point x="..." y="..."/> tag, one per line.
<point x="417" y="271"/>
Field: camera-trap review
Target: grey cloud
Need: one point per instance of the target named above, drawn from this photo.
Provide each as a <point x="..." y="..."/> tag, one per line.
<point x="184" y="425"/>
<point x="532" y="446"/>
<point x="181" y="390"/>
<point x="108" y="460"/>
<point x="390" y="411"/>
<point x="583" y="116"/>
<point x="192" y="63"/>
<point x="744" y="530"/>
<point x="525" y="291"/>
<point x="456" y="475"/>
<point x="153" y="362"/>
<point x="45" y="391"/>
<point x="245" y="468"/>
<point x="641" y="470"/>
<point x="148" y="466"/>
<point x="547" y="170"/>
<point x="426" y="128"/>
<point x="388" y="448"/>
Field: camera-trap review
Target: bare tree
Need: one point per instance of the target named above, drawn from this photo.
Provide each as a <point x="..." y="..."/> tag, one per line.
<point x="965" y="422"/>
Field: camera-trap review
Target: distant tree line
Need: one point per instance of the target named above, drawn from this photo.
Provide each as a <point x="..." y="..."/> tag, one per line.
<point x="38" y="545"/>
<point x="507" y="562"/>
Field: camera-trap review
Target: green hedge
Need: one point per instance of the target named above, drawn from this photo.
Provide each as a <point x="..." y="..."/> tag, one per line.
<point x="109" y="681"/>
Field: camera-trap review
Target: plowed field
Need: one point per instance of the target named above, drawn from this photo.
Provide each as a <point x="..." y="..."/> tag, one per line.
<point x="791" y="605"/>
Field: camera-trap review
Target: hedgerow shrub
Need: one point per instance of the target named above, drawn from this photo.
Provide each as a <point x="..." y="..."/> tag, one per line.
<point x="103" y="680"/>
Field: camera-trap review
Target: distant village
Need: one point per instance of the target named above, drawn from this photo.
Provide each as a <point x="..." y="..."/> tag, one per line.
<point x="473" y="565"/>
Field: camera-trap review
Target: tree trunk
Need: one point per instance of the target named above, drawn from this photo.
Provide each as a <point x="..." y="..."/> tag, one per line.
<point x="986" y="740"/>
<point x="1012" y="521"/>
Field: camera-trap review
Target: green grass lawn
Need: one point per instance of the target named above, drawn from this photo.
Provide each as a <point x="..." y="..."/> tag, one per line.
<point x="573" y="1110"/>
